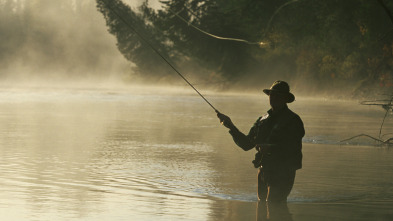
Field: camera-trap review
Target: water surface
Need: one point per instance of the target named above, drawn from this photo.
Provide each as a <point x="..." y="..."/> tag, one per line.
<point x="111" y="154"/>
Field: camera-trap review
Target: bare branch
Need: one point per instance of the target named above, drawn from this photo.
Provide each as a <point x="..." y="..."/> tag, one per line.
<point x="365" y="135"/>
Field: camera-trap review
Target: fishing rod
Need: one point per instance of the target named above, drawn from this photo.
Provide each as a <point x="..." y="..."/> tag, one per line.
<point x="155" y="50"/>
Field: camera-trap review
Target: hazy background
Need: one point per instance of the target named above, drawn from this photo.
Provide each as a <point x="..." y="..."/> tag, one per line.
<point x="328" y="48"/>
<point x="56" y="41"/>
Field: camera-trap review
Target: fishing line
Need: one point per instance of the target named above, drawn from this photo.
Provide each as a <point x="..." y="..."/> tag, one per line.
<point x="260" y="43"/>
<point x="215" y="36"/>
<point x="155" y="50"/>
<point x="274" y="14"/>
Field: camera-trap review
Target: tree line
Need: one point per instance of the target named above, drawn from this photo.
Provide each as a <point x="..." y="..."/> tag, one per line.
<point x="329" y="44"/>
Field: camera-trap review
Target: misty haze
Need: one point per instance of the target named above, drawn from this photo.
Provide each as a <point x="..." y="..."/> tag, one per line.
<point x="99" y="120"/>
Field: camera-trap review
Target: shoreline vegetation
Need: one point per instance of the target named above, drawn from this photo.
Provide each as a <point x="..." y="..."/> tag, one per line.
<point x="344" y="46"/>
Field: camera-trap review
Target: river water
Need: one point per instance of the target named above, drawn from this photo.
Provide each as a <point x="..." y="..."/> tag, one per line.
<point x="142" y="154"/>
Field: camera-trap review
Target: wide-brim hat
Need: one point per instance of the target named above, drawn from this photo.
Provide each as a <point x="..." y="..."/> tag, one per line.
<point x="281" y="87"/>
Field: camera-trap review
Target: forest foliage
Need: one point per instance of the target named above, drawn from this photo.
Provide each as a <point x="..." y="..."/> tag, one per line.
<point x="325" y="45"/>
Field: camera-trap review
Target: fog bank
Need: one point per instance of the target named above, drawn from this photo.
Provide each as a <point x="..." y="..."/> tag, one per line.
<point x="56" y="40"/>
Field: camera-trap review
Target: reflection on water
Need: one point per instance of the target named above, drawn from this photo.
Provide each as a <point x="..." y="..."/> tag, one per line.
<point x="120" y="155"/>
<point x="273" y="212"/>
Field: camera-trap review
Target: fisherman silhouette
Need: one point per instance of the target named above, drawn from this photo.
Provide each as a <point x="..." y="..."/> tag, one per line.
<point x="277" y="137"/>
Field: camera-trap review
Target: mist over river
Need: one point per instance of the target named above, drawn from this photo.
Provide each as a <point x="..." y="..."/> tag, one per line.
<point x="161" y="154"/>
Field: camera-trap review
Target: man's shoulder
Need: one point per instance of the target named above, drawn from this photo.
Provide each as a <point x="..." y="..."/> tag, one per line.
<point x="292" y="115"/>
<point x="291" y="112"/>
